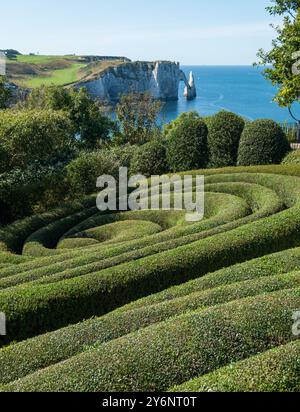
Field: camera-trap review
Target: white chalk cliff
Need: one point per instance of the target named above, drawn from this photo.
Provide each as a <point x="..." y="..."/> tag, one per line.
<point x="160" y="78"/>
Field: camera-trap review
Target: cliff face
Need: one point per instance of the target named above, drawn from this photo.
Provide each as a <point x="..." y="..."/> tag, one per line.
<point x="161" y="79"/>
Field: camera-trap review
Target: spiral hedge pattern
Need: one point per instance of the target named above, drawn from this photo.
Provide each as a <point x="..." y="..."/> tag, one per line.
<point x="144" y="301"/>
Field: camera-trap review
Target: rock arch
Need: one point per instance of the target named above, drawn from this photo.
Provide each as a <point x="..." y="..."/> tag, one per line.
<point x="190" y="91"/>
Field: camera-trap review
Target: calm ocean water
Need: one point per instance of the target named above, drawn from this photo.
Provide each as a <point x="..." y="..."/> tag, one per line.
<point x="240" y="89"/>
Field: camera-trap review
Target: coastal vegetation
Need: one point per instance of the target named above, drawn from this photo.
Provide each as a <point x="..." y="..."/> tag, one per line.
<point x="145" y="300"/>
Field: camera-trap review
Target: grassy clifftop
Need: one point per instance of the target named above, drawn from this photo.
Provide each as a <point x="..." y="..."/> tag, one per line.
<point x="32" y="71"/>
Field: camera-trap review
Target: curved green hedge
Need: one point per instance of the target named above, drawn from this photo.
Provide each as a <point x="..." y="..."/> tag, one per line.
<point x="293" y="158"/>
<point x="42" y="351"/>
<point x="101" y="257"/>
<point x="261" y="200"/>
<point x="38" y="308"/>
<point x="12" y="237"/>
<point x="167" y="300"/>
<point x="172" y="352"/>
<point x="276" y="370"/>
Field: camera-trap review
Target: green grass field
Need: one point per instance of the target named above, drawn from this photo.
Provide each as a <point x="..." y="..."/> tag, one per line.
<point x="32" y="71"/>
<point x="144" y="301"/>
<point x="57" y="77"/>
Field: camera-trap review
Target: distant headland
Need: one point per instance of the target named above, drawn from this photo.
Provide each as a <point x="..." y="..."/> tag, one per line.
<point x="105" y="77"/>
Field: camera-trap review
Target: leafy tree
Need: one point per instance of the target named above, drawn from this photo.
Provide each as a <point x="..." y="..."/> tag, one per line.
<point x="33" y="135"/>
<point x="5" y="93"/>
<point x="93" y="127"/>
<point x="48" y="97"/>
<point x="137" y="115"/>
<point x="89" y="123"/>
<point x="284" y="56"/>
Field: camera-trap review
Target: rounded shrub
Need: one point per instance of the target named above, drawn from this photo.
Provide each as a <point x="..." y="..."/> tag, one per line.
<point x="293" y="158"/>
<point x="83" y="172"/>
<point x="263" y="142"/>
<point x="186" y="116"/>
<point x="150" y="159"/>
<point x="187" y="145"/>
<point x="124" y="154"/>
<point x="224" y="134"/>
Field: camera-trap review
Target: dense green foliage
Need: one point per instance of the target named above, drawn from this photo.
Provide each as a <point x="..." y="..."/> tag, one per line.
<point x="194" y="300"/>
<point x="150" y="159"/>
<point x="224" y="134"/>
<point x="284" y="57"/>
<point x="145" y="300"/>
<point x="187" y="145"/>
<point x="5" y="93"/>
<point x="181" y="348"/>
<point x="83" y="172"/>
<point x="276" y="370"/>
<point x="29" y="135"/>
<point x="263" y="142"/>
<point x="292" y="158"/>
<point x="137" y="117"/>
<point x="247" y="279"/>
<point x="23" y="192"/>
<point x="85" y="115"/>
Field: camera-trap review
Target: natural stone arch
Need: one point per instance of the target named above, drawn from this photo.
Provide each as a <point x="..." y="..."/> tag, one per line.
<point x="190" y="91"/>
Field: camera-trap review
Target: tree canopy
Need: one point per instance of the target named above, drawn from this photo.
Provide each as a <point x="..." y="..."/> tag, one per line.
<point x="85" y="114"/>
<point x="284" y="57"/>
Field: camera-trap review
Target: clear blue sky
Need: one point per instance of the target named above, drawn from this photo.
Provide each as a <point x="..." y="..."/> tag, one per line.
<point x="192" y="32"/>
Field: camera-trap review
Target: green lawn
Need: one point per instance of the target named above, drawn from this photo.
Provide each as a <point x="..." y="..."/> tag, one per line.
<point x="56" y="77"/>
<point x="34" y="71"/>
<point x="41" y="59"/>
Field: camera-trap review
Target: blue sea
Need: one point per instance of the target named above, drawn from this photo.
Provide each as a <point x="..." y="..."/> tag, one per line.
<point x="240" y="89"/>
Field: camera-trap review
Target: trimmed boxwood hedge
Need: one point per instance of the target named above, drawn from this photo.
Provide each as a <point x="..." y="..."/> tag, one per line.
<point x="27" y="357"/>
<point x="187" y="145"/>
<point x="293" y="158"/>
<point x="12" y="237"/>
<point x="183" y="331"/>
<point x="263" y="142"/>
<point x="150" y="159"/>
<point x="37" y="309"/>
<point x="101" y="257"/>
<point x="263" y="201"/>
<point x="224" y="134"/>
<point x="172" y="352"/>
<point x="276" y="370"/>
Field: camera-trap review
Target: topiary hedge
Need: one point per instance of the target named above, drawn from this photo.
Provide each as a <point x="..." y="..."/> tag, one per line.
<point x="187" y="145"/>
<point x="293" y="158"/>
<point x="224" y="134"/>
<point x="27" y="357"/>
<point x="172" y="352"/>
<point x="276" y="370"/>
<point x="263" y="142"/>
<point x="154" y="343"/>
<point x="150" y="159"/>
<point x="219" y="209"/>
<point x="41" y="308"/>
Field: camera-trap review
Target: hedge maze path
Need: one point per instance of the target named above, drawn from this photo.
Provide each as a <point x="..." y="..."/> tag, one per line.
<point x="144" y="301"/>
